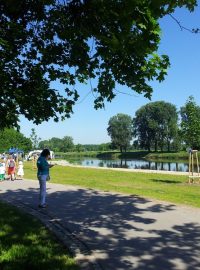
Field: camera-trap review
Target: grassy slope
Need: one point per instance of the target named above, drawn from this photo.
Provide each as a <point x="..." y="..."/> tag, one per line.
<point x="170" y="188"/>
<point x="183" y="155"/>
<point x="26" y="244"/>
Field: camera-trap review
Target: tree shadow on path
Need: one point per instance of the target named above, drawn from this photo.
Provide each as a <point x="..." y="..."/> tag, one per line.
<point x="124" y="232"/>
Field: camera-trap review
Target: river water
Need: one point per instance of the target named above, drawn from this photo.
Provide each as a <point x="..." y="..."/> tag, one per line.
<point x="133" y="164"/>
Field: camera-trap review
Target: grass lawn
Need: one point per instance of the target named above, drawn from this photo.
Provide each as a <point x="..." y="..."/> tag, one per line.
<point x="171" y="188"/>
<point x="25" y="244"/>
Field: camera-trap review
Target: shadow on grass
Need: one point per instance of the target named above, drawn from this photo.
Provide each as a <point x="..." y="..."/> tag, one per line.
<point x="26" y="244"/>
<point x="124" y="232"/>
<point x="166" y="181"/>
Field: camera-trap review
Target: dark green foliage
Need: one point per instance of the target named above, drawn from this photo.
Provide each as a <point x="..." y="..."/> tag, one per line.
<point x="96" y="147"/>
<point x="58" y="145"/>
<point x="120" y="129"/>
<point x="13" y="138"/>
<point x="74" y="41"/>
<point x="190" y="123"/>
<point x="155" y="125"/>
<point x="26" y="244"/>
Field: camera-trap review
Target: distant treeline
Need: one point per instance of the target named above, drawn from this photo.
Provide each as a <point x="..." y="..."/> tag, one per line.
<point x="156" y="126"/>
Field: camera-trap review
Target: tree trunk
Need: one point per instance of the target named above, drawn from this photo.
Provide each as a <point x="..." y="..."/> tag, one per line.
<point x="168" y="146"/>
<point x="161" y="147"/>
<point x="156" y="146"/>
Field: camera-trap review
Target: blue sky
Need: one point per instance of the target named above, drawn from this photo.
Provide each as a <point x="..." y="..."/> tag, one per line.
<point x="88" y="126"/>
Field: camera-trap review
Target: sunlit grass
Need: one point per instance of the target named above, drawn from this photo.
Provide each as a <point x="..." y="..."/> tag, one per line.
<point x="26" y="244"/>
<point x="167" y="187"/>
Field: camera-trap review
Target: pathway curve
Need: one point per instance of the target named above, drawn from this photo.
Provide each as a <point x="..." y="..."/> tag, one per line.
<point x="113" y="231"/>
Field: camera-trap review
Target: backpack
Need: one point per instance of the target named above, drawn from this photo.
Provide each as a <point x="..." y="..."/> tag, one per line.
<point x="11" y="163"/>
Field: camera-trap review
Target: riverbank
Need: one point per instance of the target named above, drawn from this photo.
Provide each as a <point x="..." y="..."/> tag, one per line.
<point x="66" y="163"/>
<point x="182" y="155"/>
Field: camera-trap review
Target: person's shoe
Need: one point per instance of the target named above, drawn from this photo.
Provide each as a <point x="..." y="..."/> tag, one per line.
<point x="42" y="205"/>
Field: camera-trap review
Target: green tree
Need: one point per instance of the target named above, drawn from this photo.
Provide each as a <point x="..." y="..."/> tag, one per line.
<point x="90" y="147"/>
<point x="155" y="125"/>
<point x="104" y="147"/>
<point x="190" y="123"/>
<point x="177" y="144"/>
<point x="168" y="125"/>
<point x="13" y="138"/>
<point x="55" y="144"/>
<point x="76" y="41"/>
<point x="67" y="144"/>
<point x="34" y="139"/>
<point x="120" y="129"/>
<point x="44" y="144"/>
<point x="58" y="145"/>
<point x="79" y="148"/>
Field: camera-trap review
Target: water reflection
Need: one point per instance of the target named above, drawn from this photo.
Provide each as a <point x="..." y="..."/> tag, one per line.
<point x="134" y="164"/>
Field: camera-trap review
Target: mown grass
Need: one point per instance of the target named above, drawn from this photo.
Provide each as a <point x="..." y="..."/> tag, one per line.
<point x="167" y="187"/>
<point x="67" y="155"/>
<point x="26" y="244"/>
<point x="182" y="155"/>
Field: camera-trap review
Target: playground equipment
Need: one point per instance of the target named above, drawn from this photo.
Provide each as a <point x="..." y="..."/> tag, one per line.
<point x="193" y="166"/>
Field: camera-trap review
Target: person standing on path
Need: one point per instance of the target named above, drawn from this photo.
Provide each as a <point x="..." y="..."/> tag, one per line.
<point x="43" y="175"/>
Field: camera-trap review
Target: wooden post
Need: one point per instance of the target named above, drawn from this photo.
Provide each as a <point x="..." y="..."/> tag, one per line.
<point x="193" y="159"/>
<point x="190" y="159"/>
<point x="197" y="166"/>
<point x="34" y="162"/>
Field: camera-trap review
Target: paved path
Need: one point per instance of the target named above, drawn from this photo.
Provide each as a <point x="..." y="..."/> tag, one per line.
<point x="115" y="232"/>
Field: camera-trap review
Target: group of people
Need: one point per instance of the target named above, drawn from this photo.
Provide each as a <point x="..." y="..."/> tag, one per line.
<point x="11" y="168"/>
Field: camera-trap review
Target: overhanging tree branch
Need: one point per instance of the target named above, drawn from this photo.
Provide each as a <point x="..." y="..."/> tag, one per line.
<point x="114" y="42"/>
<point x="193" y="31"/>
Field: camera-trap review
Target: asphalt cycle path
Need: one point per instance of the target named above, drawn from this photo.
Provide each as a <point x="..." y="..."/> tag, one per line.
<point x="112" y="231"/>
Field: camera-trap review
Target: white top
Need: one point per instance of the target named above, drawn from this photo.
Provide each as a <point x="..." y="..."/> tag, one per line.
<point x="2" y="168"/>
<point x="20" y="171"/>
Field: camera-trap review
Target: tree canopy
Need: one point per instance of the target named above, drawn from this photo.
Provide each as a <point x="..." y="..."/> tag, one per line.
<point x="155" y="125"/>
<point x="120" y="129"/>
<point x="58" y="145"/>
<point x="76" y="41"/>
<point x="190" y="123"/>
<point x="10" y="138"/>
